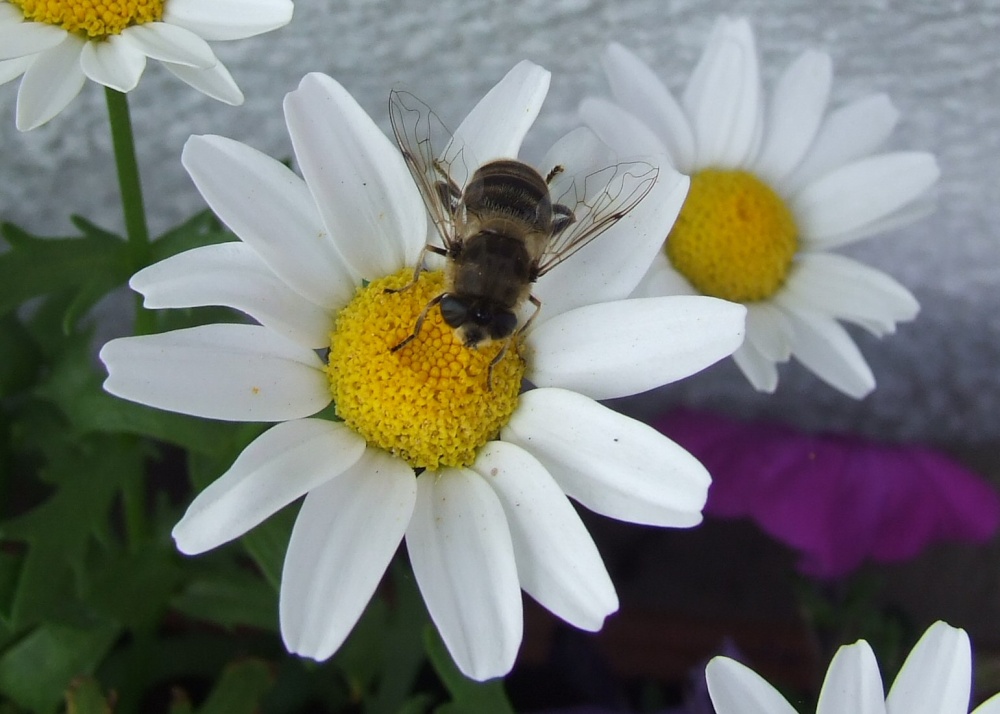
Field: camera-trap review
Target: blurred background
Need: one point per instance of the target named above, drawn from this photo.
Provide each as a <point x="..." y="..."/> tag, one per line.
<point x="938" y="377"/>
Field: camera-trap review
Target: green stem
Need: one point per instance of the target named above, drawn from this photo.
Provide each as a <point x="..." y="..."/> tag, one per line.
<point x="131" y="192"/>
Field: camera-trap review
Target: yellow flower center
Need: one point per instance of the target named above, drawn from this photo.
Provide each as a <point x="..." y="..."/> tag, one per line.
<point x="95" y="19"/>
<point x="429" y="402"/>
<point x="734" y="238"/>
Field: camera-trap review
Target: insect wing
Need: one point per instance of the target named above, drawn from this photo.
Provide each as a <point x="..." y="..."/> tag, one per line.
<point x="438" y="174"/>
<point x="598" y="200"/>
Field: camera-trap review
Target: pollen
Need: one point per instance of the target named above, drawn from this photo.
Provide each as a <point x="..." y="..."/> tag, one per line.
<point x="92" y="19"/>
<point x="735" y="238"/>
<point x="432" y="402"/>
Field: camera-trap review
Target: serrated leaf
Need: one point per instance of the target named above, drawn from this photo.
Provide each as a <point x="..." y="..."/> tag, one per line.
<point x="230" y="598"/>
<point x="92" y="230"/>
<point x="19" y="357"/>
<point x="201" y="229"/>
<point x="468" y="696"/>
<point x="85" y="697"/>
<point x="239" y="689"/>
<point x="39" y="668"/>
<point x="133" y="588"/>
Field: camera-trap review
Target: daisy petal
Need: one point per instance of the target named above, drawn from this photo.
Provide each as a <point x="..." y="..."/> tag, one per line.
<point x="662" y="279"/>
<point x="723" y="97"/>
<point x="12" y="69"/>
<point x="854" y="195"/>
<point x="51" y="82"/>
<point x="282" y="464"/>
<point x="795" y="114"/>
<point x="737" y="689"/>
<point x="760" y="371"/>
<point x="170" y="43"/>
<point x="769" y="332"/>
<point x="270" y="209"/>
<point x="619" y="129"/>
<point x="358" y="179"/>
<point x="214" y="82"/>
<point x="458" y="525"/>
<point x="853" y="683"/>
<point x="612" y="464"/>
<point x="228" y="19"/>
<point x="231" y="372"/>
<point x="557" y="561"/>
<point x="234" y="275"/>
<point x="330" y="572"/>
<point x="19" y="39"/>
<point x="10" y="14"/>
<point x="496" y="126"/>
<point x="990" y="706"/>
<point x="826" y="349"/>
<point x="847" y="134"/>
<point x="639" y="90"/>
<point x="113" y="63"/>
<point x="936" y="676"/>
<point x="616" y="349"/>
<point x="911" y="213"/>
<point x="848" y="290"/>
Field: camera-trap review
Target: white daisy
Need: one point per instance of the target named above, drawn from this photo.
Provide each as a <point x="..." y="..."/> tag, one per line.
<point x="485" y="516"/>
<point x="935" y="679"/>
<point x="776" y="184"/>
<point x="57" y="44"/>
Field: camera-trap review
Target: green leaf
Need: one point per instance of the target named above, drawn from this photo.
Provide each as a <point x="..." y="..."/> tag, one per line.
<point x="239" y="689"/>
<point x="134" y="588"/>
<point x="268" y="542"/>
<point x="37" y="670"/>
<point x="468" y="697"/>
<point x="36" y="266"/>
<point x="201" y="229"/>
<point x="19" y="357"/>
<point x="230" y="598"/>
<point x="85" y="697"/>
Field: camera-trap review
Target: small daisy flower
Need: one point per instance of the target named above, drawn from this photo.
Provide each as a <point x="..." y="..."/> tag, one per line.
<point x="55" y="45"/>
<point x="935" y="679"/>
<point x="475" y="477"/>
<point x="776" y="184"/>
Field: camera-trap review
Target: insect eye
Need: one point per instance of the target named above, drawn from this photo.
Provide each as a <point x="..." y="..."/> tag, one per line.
<point x="503" y="325"/>
<point x="454" y="311"/>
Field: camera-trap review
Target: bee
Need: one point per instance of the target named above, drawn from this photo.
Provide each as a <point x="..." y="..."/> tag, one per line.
<point x="500" y="228"/>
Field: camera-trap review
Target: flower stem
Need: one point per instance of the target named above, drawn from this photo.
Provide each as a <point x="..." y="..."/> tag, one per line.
<point x="131" y="192"/>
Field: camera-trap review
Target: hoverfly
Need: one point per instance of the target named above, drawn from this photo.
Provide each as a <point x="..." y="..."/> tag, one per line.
<point x="500" y="228"/>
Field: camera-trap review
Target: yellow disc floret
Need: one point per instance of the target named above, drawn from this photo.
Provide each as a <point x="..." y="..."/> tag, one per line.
<point x="734" y="238"/>
<point x="93" y="19"/>
<point x="429" y="402"/>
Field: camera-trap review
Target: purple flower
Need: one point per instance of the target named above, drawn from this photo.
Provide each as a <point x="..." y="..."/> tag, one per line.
<point x="837" y="500"/>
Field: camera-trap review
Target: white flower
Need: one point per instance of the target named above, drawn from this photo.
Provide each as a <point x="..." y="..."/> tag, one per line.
<point x="497" y="518"/>
<point x="776" y="184"/>
<point x="934" y="679"/>
<point x="58" y="44"/>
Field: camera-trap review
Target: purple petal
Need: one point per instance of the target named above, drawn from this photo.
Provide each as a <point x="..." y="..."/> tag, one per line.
<point x="838" y="500"/>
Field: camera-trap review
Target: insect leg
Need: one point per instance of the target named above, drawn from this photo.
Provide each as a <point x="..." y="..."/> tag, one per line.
<point x="420" y="321"/>
<point x="553" y="172"/>
<point x="562" y="218"/>
<point x="420" y="266"/>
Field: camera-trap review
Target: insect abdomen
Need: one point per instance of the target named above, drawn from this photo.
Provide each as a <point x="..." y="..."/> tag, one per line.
<point x="511" y="189"/>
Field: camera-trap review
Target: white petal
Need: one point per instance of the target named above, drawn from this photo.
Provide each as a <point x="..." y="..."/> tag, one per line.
<point x="234" y="275"/>
<point x="853" y="683"/>
<point x="796" y="111"/>
<point x="170" y="43"/>
<point x="825" y="348"/>
<point x="612" y="464"/>
<point x="51" y="82"/>
<point x="231" y="372"/>
<point x="723" y="97"/>
<point x="460" y="548"/>
<point x="936" y="676"/>
<point x="113" y="63"/>
<point x="847" y="134"/>
<point x="616" y="349"/>
<point x="769" y="331"/>
<point x="12" y="69"/>
<point x="214" y="82"/>
<point x="496" y="126"/>
<point x="343" y="539"/>
<point x="915" y="211"/>
<point x="620" y="129"/>
<point x="271" y="209"/>
<point x="639" y="90"/>
<point x="662" y="279"/>
<point x="358" y="179"/>
<point x="848" y="290"/>
<point x="10" y="15"/>
<point x="228" y="19"/>
<point x="19" y="39"/>
<point x="990" y="706"/>
<point x="760" y="371"/>
<point x="862" y="192"/>
<point x="282" y="464"/>
<point x="557" y="561"/>
<point x="737" y="689"/>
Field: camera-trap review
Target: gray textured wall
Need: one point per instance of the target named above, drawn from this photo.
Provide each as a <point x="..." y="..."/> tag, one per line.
<point x="939" y="377"/>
